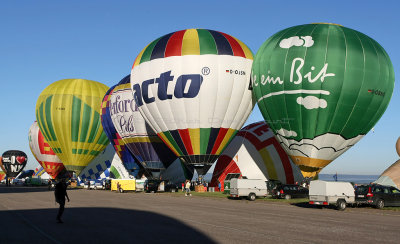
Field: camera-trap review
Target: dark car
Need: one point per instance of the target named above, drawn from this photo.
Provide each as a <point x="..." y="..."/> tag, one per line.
<point x="378" y="196"/>
<point x="151" y="185"/>
<point x="171" y="187"/>
<point x="290" y="191"/>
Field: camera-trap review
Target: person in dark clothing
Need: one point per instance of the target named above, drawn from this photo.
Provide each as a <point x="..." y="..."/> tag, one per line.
<point x="60" y="194"/>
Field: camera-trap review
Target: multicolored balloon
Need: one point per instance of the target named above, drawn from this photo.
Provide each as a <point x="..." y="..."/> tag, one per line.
<point x="43" y="153"/>
<point x="137" y="135"/>
<point x="2" y="175"/>
<point x="14" y="162"/>
<point x="192" y="87"/>
<point x="321" y="88"/>
<point x="256" y="154"/>
<point x="68" y="115"/>
<point x="391" y="176"/>
<point x="106" y="165"/>
<point x="122" y="151"/>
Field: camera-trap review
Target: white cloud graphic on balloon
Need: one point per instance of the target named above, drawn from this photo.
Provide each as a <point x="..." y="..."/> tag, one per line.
<point x="311" y="102"/>
<point x="305" y="41"/>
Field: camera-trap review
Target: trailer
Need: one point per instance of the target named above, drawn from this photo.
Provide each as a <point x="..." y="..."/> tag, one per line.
<point x="250" y="188"/>
<point x="125" y="185"/>
<point x="324" y="193"/>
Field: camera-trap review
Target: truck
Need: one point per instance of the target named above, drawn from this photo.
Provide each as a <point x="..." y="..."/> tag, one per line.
<point x="250" y="188"/>
<point x="324" y="193"/>
<point x="125" y="185"/>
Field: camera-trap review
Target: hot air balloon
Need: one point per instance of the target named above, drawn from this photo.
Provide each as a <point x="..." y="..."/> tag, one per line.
<point x="122" y="151"/>
<point x="391" y="176"/>
<point x="321" y="88"/>
<point x="398" y="146"/>
<point x="137" y="135"/>
<point x="1" y="165"/>
<point x="14" y="162"/>
<point x="43" y="152"/>
<point x="192" y="88"/>
<point x="256" y="154"/>
<point x="2" y="175"/>
<point x="67" y="112"/>
<point x="106" y="165"/>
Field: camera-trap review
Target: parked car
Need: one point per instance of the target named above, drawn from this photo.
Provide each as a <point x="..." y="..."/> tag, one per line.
<point x="377" y="195"/>
<point x="170" y="187"/>
<point x="151" y="185"/>
<point x="288" y="191"/>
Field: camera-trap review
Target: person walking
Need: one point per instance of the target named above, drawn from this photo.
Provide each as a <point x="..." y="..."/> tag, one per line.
<point x="60" y="194"/>
<point x="187" y="188"/>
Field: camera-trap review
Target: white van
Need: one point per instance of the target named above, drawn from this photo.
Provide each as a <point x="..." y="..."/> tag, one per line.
<point x="250" y="188"/>
<point x="331" y="192"/>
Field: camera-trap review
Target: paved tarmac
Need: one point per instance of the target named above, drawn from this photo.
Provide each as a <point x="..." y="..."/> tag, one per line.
<point x="27" y="215"/>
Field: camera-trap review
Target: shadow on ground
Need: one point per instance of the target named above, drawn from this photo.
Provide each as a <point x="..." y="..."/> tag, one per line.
<point x="307" y="205"/>
<point x="24" y="189"/>
<point x="95" y="225"/>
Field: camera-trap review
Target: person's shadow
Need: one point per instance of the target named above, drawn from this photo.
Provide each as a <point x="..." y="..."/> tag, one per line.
<point x="95" y="225"/>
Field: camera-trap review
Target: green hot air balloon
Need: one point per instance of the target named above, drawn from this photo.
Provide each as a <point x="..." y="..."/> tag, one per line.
<point x="321" y="88"/>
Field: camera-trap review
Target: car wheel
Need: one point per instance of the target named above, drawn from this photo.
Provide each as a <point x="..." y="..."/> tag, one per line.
<point x="341" y="204"/>
<point x="380" y="204"/>
<point x="288" y="197"/>
<point x="252" y="197"/>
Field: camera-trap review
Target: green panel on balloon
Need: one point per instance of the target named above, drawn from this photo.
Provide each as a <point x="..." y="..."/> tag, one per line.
<point x="321" y="88"/>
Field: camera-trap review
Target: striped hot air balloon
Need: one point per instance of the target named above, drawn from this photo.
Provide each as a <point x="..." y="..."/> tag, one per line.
<point x="191" y="86"/>
<point x="119" y="145"/>
<point x="321" y="88"/>
<point x="2" y="175"/>
<point x="106" y="165"/>
<point x="68" y="114"/>
<point x="138" y="136"/>
<point x="43" y="152"/>
<point x="256" y="154"/>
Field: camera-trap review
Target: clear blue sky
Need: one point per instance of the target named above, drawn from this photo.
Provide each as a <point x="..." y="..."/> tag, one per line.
<point x="45" y="41"/>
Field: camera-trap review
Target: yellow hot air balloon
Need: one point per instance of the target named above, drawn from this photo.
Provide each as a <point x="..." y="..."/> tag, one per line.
<point x="68" y="114"/>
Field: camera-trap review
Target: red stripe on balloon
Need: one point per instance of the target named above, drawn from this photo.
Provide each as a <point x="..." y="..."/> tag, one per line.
<point x="185" y="137"/>
<point x="174" y="45"/>
<point x="285" y="162"/>
<point x="236" y="48"/>
<point x="287" y="167"/>
<point x="218" y="141"/>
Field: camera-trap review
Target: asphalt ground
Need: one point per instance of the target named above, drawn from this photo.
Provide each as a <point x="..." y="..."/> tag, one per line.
<point x="27" y="215"/>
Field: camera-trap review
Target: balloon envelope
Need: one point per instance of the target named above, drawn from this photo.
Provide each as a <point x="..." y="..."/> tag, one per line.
<point x="256" y="154"/>
<point x="321" y="88"/>
<point x="191" y="86"/>
<point x="391" y="176"/>
<point x="106" y="165"/>
<point x="137" y="135"/>
<point x="14" y="162"/>
<point x="68" y="115"/>
<point x="43" y="152"/>
<point x="119" y="145"/>
<point x="398" y="146"/>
